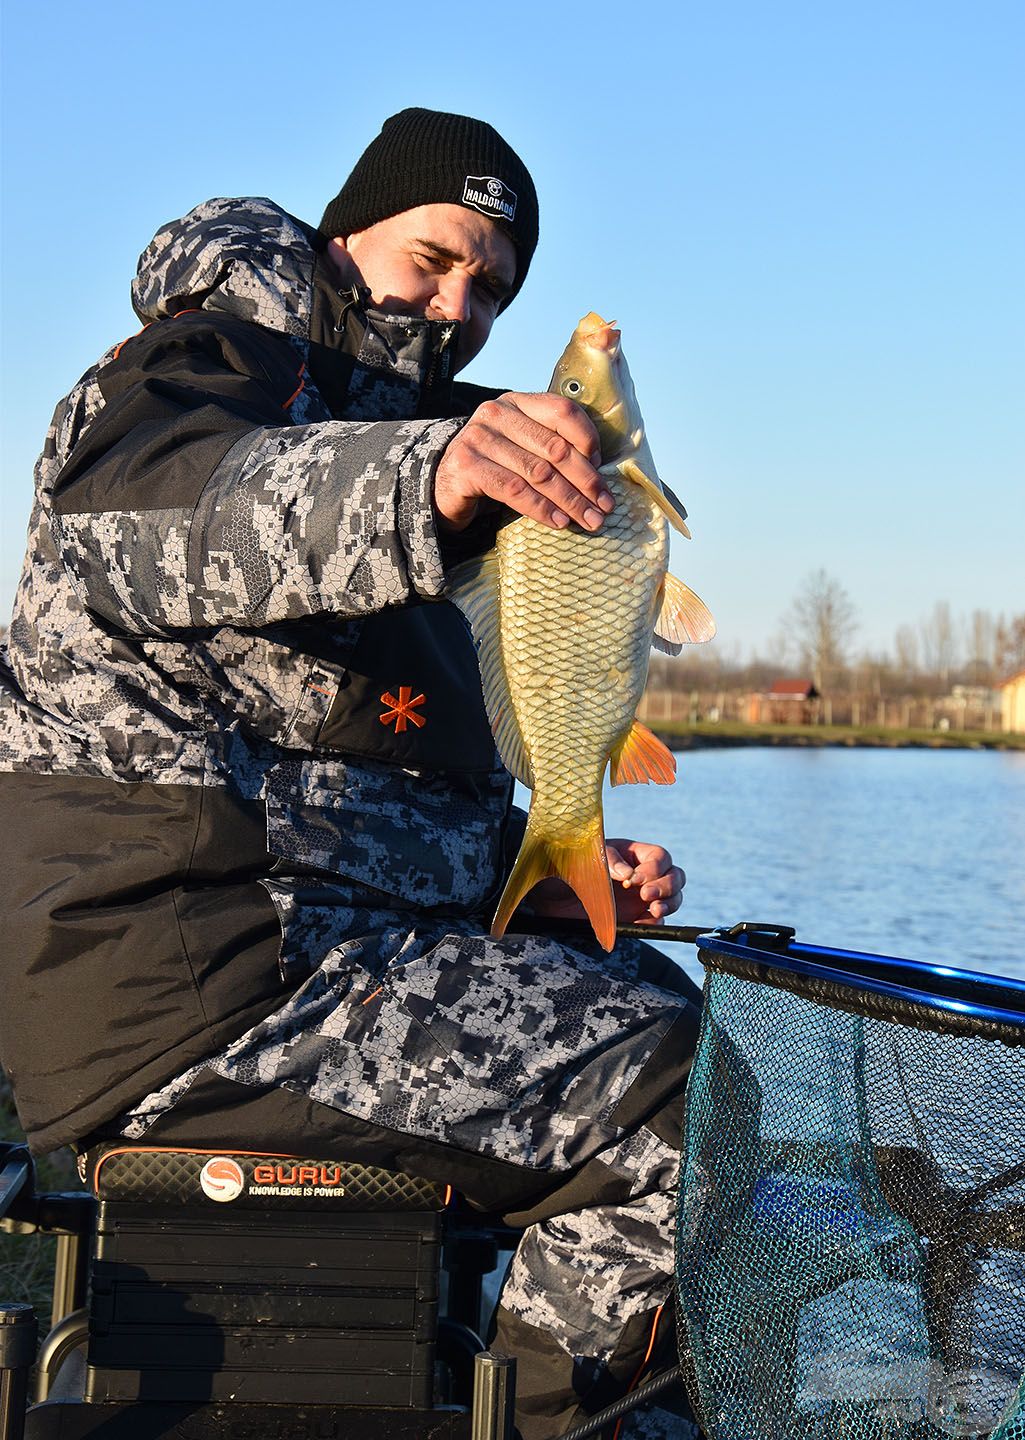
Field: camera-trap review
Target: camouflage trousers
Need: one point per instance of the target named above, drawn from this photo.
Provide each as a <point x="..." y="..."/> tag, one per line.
<point x="545" y="1082"/>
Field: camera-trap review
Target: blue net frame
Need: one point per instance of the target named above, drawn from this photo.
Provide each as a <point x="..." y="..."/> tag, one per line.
<point x="851" y="1243"/>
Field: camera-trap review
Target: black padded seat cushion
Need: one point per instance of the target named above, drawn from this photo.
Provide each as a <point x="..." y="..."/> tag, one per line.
<point x="207" y="1179"/>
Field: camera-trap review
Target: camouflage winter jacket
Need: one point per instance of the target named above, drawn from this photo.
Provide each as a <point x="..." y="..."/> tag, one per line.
<point x="234" y="716"/>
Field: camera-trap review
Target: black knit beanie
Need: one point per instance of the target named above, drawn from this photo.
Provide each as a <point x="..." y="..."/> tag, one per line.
<point x="427" y="157"/>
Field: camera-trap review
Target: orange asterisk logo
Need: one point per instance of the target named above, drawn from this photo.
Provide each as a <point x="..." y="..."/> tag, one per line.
<point x="401" y="710"/>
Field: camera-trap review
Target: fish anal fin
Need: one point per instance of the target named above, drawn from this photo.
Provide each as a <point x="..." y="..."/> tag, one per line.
<point x="583" y="866"/>
<point x="683" y="618"/>
<point x="640" y="758"/>
<point x="670" y="507"/>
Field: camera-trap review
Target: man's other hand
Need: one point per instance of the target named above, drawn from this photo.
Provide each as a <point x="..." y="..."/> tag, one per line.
<point x="646" y="884"/>
<point x="535" y="454"/>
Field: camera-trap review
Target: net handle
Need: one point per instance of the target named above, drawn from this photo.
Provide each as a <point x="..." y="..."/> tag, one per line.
<point x="557" y="929"/>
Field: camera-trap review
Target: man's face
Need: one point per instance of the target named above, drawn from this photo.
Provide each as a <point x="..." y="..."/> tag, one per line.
<point x="444" y="262"/>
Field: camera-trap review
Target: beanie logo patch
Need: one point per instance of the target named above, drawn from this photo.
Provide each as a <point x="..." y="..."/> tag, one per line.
<point x="490" y="196"/>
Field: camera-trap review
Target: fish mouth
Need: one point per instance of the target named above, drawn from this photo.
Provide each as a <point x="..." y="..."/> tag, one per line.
<point x="599" y="334"/>
<point x="607" y="340"/>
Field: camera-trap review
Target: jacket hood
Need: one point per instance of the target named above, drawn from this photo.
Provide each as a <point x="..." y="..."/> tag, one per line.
<point x="253" y="261"/>
<point x="247" y="258"/>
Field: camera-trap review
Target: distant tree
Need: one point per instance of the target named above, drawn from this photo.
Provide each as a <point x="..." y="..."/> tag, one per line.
<point x="823" y="621"/>
<point x="776" y="648"/>
<point x="1010" y="645"/>
<point x="939" y="642"/>
<point x="981" y="641"/>
<point x="905" y="644"/>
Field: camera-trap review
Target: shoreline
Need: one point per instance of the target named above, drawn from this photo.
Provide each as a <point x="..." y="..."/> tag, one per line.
<point x="730" y="734"/>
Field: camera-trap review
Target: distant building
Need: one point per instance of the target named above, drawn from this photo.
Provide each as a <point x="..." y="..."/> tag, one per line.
<point x="786" y="702"/>
<point x="1012" y="703"/>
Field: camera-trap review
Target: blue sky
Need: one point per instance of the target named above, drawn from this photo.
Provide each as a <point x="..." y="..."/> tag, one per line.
<point x="808" y="220"/>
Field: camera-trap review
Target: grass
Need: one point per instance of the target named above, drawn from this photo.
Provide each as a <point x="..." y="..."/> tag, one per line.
<point x="732" y="732"/>
<point x="26" y="1261"/>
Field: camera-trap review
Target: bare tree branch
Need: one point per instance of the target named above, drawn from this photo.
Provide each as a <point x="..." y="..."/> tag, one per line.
<point x="823" y="621"/>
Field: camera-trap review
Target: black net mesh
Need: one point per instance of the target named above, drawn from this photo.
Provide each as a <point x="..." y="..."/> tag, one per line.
<point x="851" y="1260"/>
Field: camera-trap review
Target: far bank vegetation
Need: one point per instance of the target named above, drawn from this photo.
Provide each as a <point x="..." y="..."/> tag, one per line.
<point x="943" y="674"/>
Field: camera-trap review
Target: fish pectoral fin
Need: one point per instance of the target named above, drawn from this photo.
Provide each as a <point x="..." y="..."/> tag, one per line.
<point x="657" y="494"/>
<point x="585" y="870"/>
<point x="473" y="587"/>
<point x="683" y="618"/>
<point x="640" y="758"/>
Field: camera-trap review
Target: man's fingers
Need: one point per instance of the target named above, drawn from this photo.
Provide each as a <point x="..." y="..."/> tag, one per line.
<point x="554" y="440"/>
<point x="619" y="868"/>
<point x="496" y="482"/>
<point x="559" y="489"/>
<point x="553" y="414"/>
<point x="646" y="862"/>
<point x="663" y="887"/>
<point x="647" y="874"/>
<point x="532" y="453"/>
<point x="469" y="471"/>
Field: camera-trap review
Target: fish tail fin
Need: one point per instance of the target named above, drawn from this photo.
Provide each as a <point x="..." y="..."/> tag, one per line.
<point x="583" y="866"/>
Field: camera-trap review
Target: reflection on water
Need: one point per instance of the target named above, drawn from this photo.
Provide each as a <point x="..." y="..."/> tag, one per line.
<point x="918" y="853"/>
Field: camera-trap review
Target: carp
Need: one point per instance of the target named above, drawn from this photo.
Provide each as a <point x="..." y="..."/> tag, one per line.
<point x="563" y="622"/>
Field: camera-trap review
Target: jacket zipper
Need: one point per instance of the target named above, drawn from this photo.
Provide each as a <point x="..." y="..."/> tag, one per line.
<point x="445" y="339"/>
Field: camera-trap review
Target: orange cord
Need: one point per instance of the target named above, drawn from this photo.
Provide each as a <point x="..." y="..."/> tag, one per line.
<point x="124" y="342"/>
<point x="299" y="389"/>
<point x="640" y="1369"/>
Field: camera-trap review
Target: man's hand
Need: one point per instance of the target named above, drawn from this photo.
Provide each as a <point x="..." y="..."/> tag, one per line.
<point x="535" y="454"/>
<point x="645" y="882"/>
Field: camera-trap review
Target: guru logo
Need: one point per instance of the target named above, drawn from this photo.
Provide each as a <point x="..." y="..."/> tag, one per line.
<point x="490" y="196"/>
<point x="222" y="1179"/>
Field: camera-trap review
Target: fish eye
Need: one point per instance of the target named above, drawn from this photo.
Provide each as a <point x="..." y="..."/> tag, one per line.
<point x="571" y="387"/>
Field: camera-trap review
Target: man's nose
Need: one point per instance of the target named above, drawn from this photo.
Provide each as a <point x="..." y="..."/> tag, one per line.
<point x="452" y="301"/>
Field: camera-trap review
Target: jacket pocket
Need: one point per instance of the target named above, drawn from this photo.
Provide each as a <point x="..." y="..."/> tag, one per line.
<point x="417" y="839"/>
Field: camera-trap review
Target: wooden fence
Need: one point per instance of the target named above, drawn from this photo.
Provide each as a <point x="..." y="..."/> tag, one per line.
<point x="953" y="712"/>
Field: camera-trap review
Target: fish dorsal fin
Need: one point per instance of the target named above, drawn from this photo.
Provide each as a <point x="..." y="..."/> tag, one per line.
<point x="683" y="618"/>
<point x="473" y="586"/>
<point x="640" y="758"/>
<point x="667" y="503"/>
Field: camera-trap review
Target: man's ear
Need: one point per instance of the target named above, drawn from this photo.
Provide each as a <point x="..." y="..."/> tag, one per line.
<point x="338" y="253"/>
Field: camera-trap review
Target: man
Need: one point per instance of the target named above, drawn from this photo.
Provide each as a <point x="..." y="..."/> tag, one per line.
<point x="249" y="897"/>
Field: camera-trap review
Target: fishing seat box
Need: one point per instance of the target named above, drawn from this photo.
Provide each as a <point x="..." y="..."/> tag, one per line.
<point x="263" y="1279"/>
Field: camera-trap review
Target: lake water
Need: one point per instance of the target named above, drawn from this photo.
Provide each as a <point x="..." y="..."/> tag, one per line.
<point x="917" y="853"/>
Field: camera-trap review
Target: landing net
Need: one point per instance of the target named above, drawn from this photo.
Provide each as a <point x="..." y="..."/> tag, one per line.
<point x="851" y="1249"/>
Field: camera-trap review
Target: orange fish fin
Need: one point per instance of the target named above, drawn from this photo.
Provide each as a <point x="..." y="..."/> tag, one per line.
<point x="656" y="493"/>
<point x="640" y="758"/>
<point x="683" y="618"/>
<point x="585" y="870"/>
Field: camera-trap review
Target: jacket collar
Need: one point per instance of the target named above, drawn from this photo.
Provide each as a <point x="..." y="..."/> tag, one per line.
<point x="369" y="365"/>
